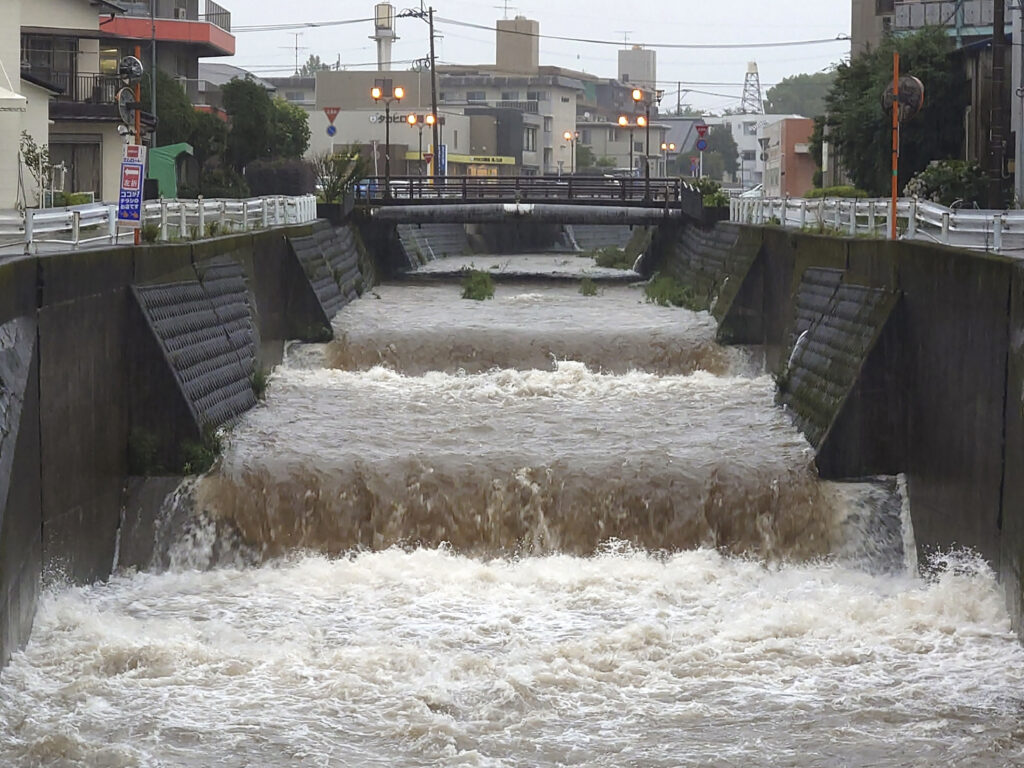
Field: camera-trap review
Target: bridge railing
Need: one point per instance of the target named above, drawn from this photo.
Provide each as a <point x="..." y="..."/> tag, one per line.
<point x="981" y="230"/>
<point x="173" y="219"/>
<point x="402" y="190"/>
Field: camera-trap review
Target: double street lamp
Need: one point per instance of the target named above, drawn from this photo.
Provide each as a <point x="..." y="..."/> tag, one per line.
<point x="384" y="90"/>
<point x="646" y="99"/>
<point x="572" y="137"/>
<point x="420" y="121"/>
<point x="666" y="147"/>
<point x="641" y="121"/>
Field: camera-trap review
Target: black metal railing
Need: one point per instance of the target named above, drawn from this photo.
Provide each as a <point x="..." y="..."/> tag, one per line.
<point x="581" y="190"/>
<point x="83" y="89"/>
<point x="211" y="12"/>
<point x="216" y="15"/>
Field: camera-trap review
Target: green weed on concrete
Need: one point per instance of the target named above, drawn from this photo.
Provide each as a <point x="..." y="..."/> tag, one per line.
<point x="477" y="285"/>
<point x="666" y="291"/>
<point x="588" y="287"/>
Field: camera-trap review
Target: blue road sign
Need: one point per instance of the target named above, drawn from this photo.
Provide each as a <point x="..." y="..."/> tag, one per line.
<point x="129" y="204"/>
<point x="702" y="144"/>
<point x="331" y="130"/>
<point x="442" y="160"/>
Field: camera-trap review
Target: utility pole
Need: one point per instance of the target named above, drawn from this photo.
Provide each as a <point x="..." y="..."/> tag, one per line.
<point x="997" y="129"/>
<point x="433" y="94"/>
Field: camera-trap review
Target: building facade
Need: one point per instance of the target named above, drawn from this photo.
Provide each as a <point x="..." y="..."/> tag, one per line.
<point x="789" y="166"/>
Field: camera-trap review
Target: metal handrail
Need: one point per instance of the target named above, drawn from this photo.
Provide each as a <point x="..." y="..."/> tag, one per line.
<point x="175" y="219"/>
<point x="973" y="229"/>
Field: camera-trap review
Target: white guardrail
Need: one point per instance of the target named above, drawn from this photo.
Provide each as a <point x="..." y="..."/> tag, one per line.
<point x="174" y="219"/>
<point x="980" y="230"/>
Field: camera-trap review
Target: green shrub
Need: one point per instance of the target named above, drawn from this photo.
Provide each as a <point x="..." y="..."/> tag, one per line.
<point x="150" y="232"/>
<point x="588" y="287"/>
<point x="78" y="198"/>
<point x="198" y="457"/>
<point x="711" y="192"/>
<point x="841" y="191"/>
<point x="666" y="291"/>
<point x="612" y="258"/>
<point x="477" y="285"/>
<point x="259" y="380"/>
<point x="949" y="181"/>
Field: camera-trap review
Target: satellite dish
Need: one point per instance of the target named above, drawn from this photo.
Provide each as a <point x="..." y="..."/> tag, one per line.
<point x="911" y="97"/>
<point x="130" y="69"/>
<point x="586" y="116"/>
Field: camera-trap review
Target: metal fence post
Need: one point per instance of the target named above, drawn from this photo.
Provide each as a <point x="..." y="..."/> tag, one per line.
<point x="782" y="212"/>
<point x="163" y="219"/>
<point x="945" y="227"/>
<point x="836" y="216"/>
<point x="112" y="223"/>
<point x="245" y="215"/>
<point x="997" y="234"/>
<point x="222" y="216"/>
<point x="871" y="218"/>
<point x="264" y="213"/>
<point x="182" y="220"/>
<point x="803" y="214"/>
<point x="76" y="227"/>
<point x="853" y="218"/>
<point x="912" y="219"/>
<point x="202" y="218"/>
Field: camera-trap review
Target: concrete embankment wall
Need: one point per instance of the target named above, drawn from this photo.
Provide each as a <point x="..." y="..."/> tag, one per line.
<point x="894" y="357"/>
<point x="114" y="358"/>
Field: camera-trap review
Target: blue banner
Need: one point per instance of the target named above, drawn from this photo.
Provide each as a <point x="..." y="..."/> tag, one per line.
<point x="129" y="204"/>
<point x="442" y="161"/>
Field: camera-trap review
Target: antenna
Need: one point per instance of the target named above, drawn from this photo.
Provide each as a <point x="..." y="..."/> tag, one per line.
<point x="296" y="47"/>
<point x="625" y="36"/>
<point x="752" y="102"/>
<point x="504" y="8"/>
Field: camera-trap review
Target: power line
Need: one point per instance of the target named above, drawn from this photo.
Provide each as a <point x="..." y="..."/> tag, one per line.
<point x="687" y="46"/>
<point x="297" y="25"/>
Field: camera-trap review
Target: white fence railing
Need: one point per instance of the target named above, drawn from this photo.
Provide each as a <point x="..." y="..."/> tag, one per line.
<point x="167" y="219"/>
<point x="980" y="230"/>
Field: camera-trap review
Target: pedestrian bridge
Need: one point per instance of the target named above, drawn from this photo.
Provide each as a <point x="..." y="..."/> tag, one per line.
<point x="565" y="199"/>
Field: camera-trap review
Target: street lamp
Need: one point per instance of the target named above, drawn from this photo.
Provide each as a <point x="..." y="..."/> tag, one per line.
<point x="571" y="137"/>
<point x="639" y="97"/>
<point x="666" y="147"/>
<point x="383" y="90"/>
<point x="641" y="121"/>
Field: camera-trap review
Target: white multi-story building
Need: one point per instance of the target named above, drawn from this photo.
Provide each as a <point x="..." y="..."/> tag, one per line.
<point x="748" y="131"/>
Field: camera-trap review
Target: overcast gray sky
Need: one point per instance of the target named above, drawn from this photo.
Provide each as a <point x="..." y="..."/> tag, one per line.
<point x="718" y="22"/>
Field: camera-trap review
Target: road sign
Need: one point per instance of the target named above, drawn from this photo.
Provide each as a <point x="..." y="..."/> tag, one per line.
<point x="332" y="112"/>
<point x="134" y="153"/>
<point x="702" y="144"/>
<point x="129" y="204"/>
<point x="702" y="131"/>
<point x="442" y="160"/>
<point x="428" y="156"/>
<point x="331" y="130"/>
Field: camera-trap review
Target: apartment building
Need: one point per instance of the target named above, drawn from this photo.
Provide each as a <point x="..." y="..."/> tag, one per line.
<point x="965" y="20"/>
<point x="788" y="165"/>
<point x="74" y="47"/>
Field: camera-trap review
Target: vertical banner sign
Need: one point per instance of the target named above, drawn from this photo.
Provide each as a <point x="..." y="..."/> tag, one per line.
<point x="133" y="170"/>
<point x="442" y="160"/>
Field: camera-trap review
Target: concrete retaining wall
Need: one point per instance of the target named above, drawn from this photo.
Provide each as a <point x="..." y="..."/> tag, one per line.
<point x="99" y="348"/>
<point x="939" y="392"/>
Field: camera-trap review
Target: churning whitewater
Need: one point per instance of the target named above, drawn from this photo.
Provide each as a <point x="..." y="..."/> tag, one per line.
<point x="547" y="530"/>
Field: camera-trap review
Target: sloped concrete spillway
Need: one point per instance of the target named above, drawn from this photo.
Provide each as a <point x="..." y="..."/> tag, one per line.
<point x="547" y="529"/>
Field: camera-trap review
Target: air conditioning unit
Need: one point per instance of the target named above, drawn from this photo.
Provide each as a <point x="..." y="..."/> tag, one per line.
<point x="181" y="13"/>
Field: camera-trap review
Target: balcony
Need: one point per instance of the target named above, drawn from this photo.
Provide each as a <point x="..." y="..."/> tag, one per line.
<point x="526" y="107"/>
<point x="976" y="17"/>
<point x="81" y="89"/>
<point x="201" y="23"/>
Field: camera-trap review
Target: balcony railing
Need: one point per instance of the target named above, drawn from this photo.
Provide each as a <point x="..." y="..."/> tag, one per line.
<point x="83" y="89"/>
<point x="976" y="13"/>
<point x="207" y="11"/>
<point x="528" y="107"/>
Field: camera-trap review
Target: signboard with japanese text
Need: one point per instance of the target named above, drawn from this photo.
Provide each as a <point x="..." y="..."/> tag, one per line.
<point x="133" y="169"/>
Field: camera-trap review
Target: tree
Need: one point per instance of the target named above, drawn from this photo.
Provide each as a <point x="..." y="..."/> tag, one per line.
<point x="861" y="131"/>
<point x="337" y="172"/>
<point x="312" y="66"/>
<point x="290" y="136"/>
<point x="175" y="113"/>
<point x="720" y="140"/>
<point x="209" y="139"/>
<point x="252" y="122"/>
<point x="800" y="95"/>
<point x="584" y="157"/>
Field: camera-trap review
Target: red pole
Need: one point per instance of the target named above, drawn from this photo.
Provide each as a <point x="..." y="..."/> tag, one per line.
<point x="895" y="140"/>
<point x="138" y="133"/>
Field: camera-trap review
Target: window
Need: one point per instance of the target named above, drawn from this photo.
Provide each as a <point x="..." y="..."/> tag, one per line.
<point x="476" y="95"/>
<point x="536" y="96"/>
<point x="585" y="136"/>
<point x="750" y="129"/>
<point x="442" y="97"/>
<point x="294" y="95"/>
<point x="638" y="146"/>
<point x="884" y="6"/>
<point x="613" y="134"/>
<point x="565" y="99"/>
<point x="529" y="139"/>
<point x="547" y="125"/>
<point x="510" y="95"/>
<point x="749" y="156"/>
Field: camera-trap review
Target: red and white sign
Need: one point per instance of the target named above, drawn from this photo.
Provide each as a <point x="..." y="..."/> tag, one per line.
<point x="131" y="177"/>
<point x="135" y="153"/>
<point x="428" y="156"/>
<point x="332" y="112"/>
<point x="702" y="131"/>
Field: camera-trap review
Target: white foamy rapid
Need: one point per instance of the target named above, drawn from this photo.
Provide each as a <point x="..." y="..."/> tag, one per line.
<point x="428" y="658"/>
<point x="621" y="560"/>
